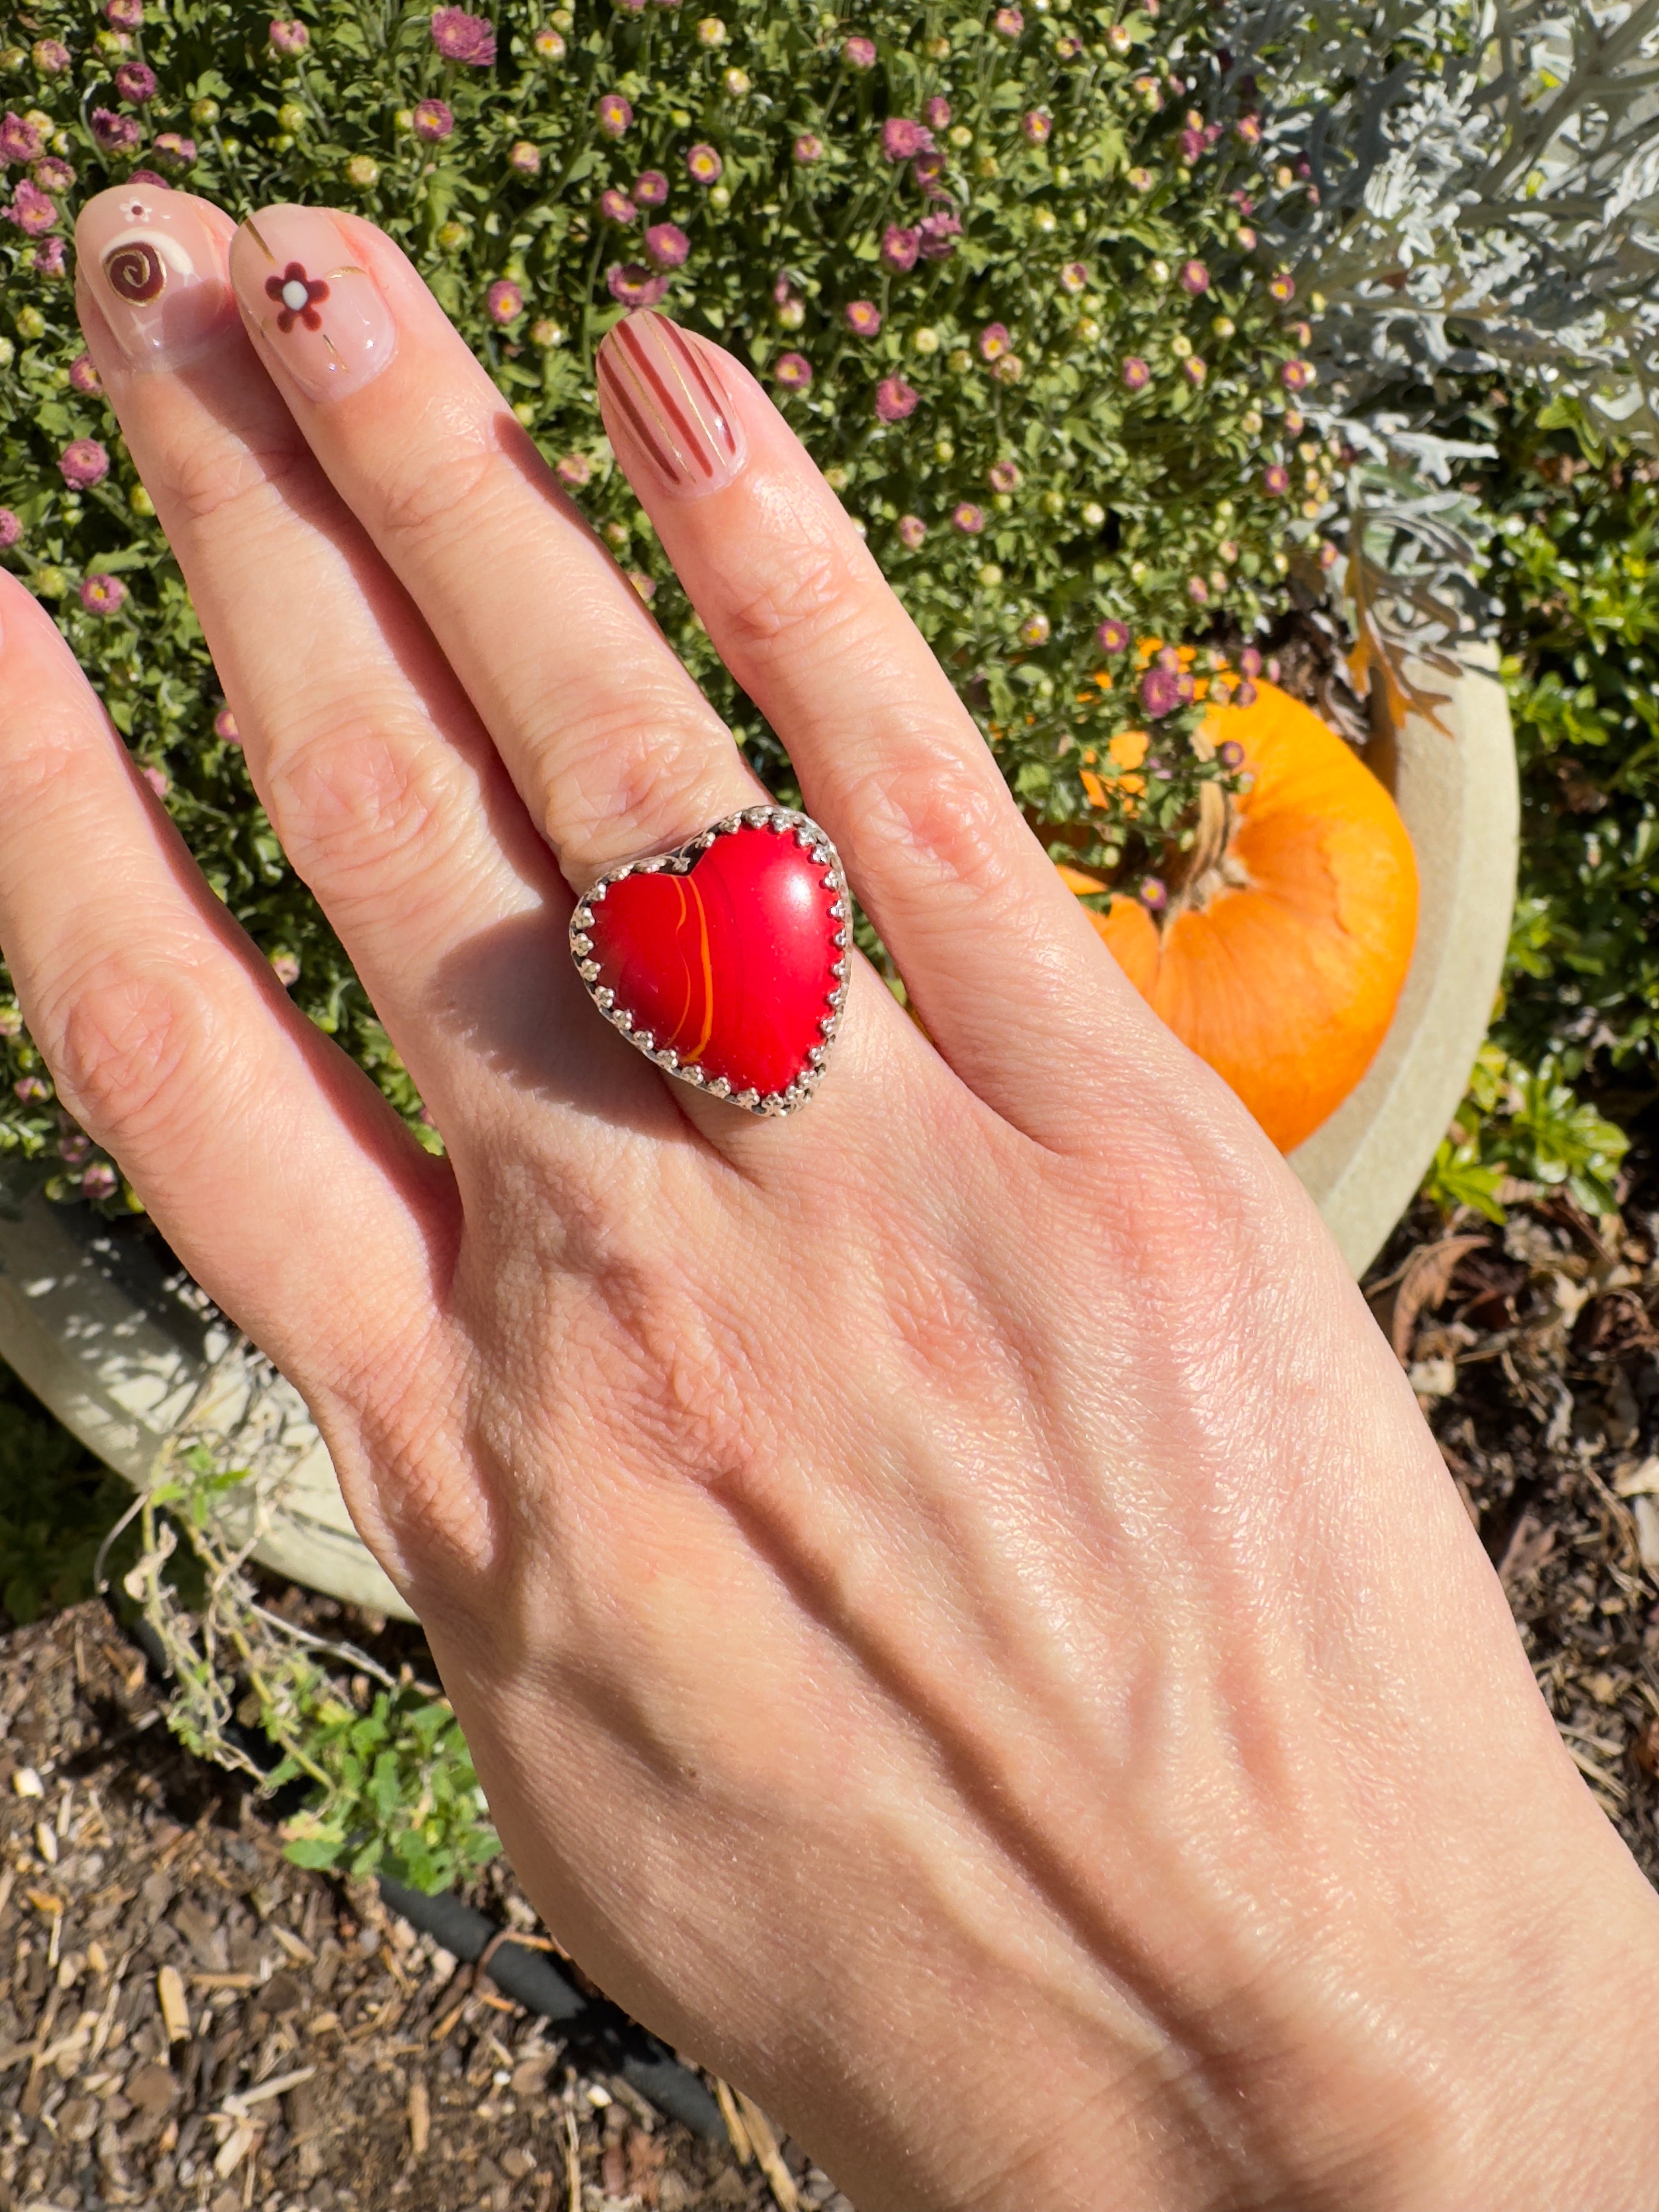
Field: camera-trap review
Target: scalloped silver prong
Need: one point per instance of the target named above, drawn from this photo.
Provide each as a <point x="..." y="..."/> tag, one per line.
<point x="749" y="1098"/>
<point x="597" y="893"/>
<point x="589" y="970"/>
<point x="720" y="1086"/>
<point x="604" y="999"/>
<point x="668" y="1057"/>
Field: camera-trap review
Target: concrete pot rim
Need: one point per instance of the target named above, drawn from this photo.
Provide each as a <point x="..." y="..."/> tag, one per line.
<point x="106" y="1327"/>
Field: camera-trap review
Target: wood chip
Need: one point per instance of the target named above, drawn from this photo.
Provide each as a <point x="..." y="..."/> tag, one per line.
<point x="420" y="2118"/>
<point x="235" y="2147"/>
<point x="573" y="2164"/>
<point x="767" y="2156"/>
<point x="175" y="2013"/>
<point x="734" y="2119"/>
<point x="237" y="2104"/>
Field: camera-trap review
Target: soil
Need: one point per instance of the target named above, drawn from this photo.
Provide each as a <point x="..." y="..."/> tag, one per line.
<point x="324" y="2055"/>
<point x="321" y="2054"/>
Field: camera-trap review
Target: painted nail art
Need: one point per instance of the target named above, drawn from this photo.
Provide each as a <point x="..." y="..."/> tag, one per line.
<point x="157" y="272"/>
<point x="667" y="388"/>
<point x="316" y="308"/>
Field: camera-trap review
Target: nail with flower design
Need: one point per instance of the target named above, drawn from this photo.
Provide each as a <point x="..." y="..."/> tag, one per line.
<point x="311" y="303"/>
<point x="154" y="260"/>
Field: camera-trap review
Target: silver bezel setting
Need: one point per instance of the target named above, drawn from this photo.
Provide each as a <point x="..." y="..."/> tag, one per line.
<point x="783" y="820"/>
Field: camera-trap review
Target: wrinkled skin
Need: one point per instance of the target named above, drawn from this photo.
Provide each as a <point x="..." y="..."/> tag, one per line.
<point x="959" y="1617"/>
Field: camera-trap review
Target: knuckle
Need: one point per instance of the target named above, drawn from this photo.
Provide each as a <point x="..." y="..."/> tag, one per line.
<point x="435" y="479"/>
<point x="352" y="802"/>
<point x="634" y="772"/>
<point x="220" y="474"/>
<point x="127" y="1045"/>
<point x="805" y="598"/>
<point x="950" y="821"/>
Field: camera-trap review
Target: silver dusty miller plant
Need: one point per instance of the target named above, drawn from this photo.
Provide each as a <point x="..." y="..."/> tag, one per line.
<point x="1457" y="187"/>
<point x="1472" y="186"/>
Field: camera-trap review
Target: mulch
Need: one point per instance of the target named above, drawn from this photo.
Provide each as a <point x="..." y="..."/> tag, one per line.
<point x="320" y="2054"/>
<point x="187" y="2020"/>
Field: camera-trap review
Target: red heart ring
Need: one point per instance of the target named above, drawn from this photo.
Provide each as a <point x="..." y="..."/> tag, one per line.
<point x="725" y="960"/>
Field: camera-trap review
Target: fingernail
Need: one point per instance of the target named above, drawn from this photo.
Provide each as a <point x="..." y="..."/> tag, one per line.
<point x="315" y="306"/>
<point x="157" y="272"/>
<point x="667" y="388"/>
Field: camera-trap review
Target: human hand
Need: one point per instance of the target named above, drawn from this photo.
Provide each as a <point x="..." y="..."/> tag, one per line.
<point x="959" y="1619"/>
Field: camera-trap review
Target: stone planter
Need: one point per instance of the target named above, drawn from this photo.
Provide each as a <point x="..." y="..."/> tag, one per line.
<point x="104" y="1325"/>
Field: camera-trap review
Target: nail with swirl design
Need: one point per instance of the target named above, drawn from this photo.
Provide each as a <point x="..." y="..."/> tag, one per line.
<point x="154" y="262"/>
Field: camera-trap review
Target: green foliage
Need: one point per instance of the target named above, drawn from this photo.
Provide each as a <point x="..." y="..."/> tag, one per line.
<point x="1083" y="189"/>
<point x="1576" y="560"/>
<point x="394" y="1790"/>
<point x="1524" y="1125"/>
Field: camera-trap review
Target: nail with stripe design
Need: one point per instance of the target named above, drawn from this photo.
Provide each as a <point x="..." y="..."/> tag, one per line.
<point x="666" y="392"/>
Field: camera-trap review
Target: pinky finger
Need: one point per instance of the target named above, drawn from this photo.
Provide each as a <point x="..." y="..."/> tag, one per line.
<point x="280" y="1176"/>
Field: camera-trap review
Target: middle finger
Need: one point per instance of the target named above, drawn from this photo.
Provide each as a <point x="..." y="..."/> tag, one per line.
<point x="613" y="748"/>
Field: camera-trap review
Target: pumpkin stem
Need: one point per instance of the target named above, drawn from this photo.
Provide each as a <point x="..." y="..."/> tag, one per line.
<point x="1209" y="866"/>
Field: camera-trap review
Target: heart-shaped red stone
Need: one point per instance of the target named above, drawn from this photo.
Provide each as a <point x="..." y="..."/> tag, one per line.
<point x="730" y="963"/>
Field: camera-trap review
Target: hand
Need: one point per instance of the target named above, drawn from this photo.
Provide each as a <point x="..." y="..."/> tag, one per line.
<point x="959" y="1619"/>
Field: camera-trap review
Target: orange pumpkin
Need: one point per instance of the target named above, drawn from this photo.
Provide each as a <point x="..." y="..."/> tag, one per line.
<point x="1280" y="956"/>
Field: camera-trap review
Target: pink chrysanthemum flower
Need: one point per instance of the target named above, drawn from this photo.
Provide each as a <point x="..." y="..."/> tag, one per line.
<point x="31" y="209"/>
<point x="650" y="189"/>
<point x="1230" y="754"/>
<point x="82" y="463"/>
<point x="667" y="245"/>
<point x="225" y="729"/>
<point x="1074" y="278"/>
<point x="1113" y="636"/>
<point x="1194" y="369"/>
<point x="459" y="37"/>
<point x="635" y="285"/>
<point x="1248" y="129"/>
<point x="1194" y="278"/>
<point x="286" y="969"/>
<point x="703" y="165"/>
<point x="47" y="260"/>
<point x="116" y="134"/>
<point x="793" y="371"/>
<point x="84" y="375"/>
<point x="525" y="159"/>
<point x="936" y="113"/>
<point x="1250" y="661"/>
<point x="178" y="153"/>
<point x="1138" y="179"/>
<point x="289" y="37"/>
<point x="435" y="119"/>
<point x="1008" y="22"/>
<point x="30" y="1089"/>
<point x="1198" y="591"/>
<point x="1004" y="475"/>
<point x="1137" y="375"/>
<point x="615" y="114"/>
<point x="859" y="53"/>
<point x="136" y="82"/>
<point x="10" y="528"/>
<point x="929" y="172"/>
<point x="103" y="595"/>
<point x="1192" y="146"/>
<point x="504" y="300"/>
<point x="1246" y="238"/>
<point x="1281" y="285"/>
<point x="20" y="141"/>
<point x="100" y="1180"/>
<point x="968" y="518"/>
<point x="1160" y="691"/>
<point x="1153" y="894"/>
<point x="939" y="233"/>
<point x="994" y="341"/>
<point x="1035" y="630"/>
<point x="1298" y="375"/>
<point x="863" y="318"/>
<point x="895" y="399"/>
<point x="899" y="247"/>
<point x="50" y="56"/>
<point x="901" y="139"/>
<point x="574" y="470"/>
<point x="1275" y="481"/>
<point x="808" y="148"/>
<point x="1037" y="127"/>
<point x="912" y="531"/>
<point x="615" y="206"/>
<point x="125" y="14"/>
